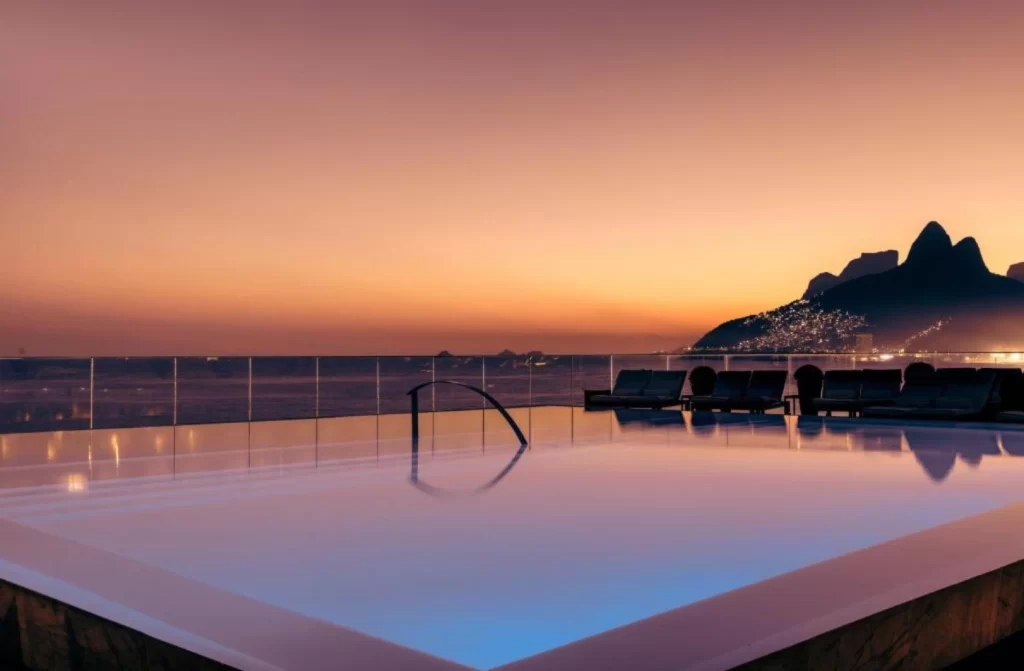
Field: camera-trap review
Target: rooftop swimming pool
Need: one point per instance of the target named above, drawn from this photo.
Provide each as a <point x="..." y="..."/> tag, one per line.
<point x="628" y="516"/>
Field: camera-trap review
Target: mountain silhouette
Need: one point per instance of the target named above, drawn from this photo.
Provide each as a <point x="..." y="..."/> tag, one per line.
<point x="939" y="283"/>
<point x="868" y="263"/>
<point x="1016" y="272"/>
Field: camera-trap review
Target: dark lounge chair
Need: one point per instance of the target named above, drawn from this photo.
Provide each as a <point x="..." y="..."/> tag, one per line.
<point x="1008" y="397"/>
<point x="964" y="394"/>
<point x="639" y="389"/>
<point x="851" y="391"/>
<point x="764" y="391"/>
<point x="729" y="388"/>
<point x="840" y="391"/>
<point x="919" y="391"/>
<point x="757" y="392"/>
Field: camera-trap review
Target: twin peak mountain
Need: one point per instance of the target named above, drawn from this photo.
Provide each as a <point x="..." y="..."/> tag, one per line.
<point x="938" y="283"/>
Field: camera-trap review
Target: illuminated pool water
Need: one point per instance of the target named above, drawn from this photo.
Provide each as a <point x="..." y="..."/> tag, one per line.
<point x="576" y="540"/>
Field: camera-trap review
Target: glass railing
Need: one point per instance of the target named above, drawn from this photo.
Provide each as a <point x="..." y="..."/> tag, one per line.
<point x="56" y="394"/>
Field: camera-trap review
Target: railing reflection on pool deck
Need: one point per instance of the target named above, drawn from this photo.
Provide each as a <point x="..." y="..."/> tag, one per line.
<point x="75" y="459"/>
<point x="46" y="394"/>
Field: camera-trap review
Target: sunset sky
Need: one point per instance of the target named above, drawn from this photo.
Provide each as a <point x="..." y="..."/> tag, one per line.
<point x="373" y="177"/>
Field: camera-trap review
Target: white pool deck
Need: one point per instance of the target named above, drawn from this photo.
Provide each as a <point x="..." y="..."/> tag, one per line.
<point x="641" y="552"/>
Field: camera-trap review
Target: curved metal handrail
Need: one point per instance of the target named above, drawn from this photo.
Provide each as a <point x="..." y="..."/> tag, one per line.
<point x="414" y="477"/>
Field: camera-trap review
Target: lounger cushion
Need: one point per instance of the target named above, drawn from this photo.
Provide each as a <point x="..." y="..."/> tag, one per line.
<point x="918" y="396"/>
<point x="619" y="401"/>
<point x="835" y="404"/>
<point x="954" y="402"/>
<point x="945" y="413"/>
<point x="888" y="411"/>
<point x="756" y="403"/>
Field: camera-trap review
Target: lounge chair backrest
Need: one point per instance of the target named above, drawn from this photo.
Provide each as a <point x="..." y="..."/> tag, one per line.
<point x="881" y="385"/>
<point x="767" y="384"/>
<point x="666" y="383"/>
<point x="967" y="390"/>
<point x="919" y="370"/>
<point x="731" y="384"/>
<point x="920" y="390"/>
<point x="842" y="384"/>
<point x="1007" y="380"/>
<point x="631" y="382"/>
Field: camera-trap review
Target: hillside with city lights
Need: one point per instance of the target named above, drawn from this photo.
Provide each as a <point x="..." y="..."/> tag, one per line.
<point x="942" y="297"/>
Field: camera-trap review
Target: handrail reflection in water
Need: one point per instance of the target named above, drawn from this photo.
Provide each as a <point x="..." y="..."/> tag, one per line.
<point x="414" y="465"/>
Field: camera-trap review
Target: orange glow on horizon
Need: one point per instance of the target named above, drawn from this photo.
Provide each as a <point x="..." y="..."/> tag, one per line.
<point x="361" y="180"/>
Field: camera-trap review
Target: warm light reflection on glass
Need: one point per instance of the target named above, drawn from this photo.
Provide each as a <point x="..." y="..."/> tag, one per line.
<point x="76" y="482"/>
<point x="159" y="443"/>
<point x="116" y="447"/>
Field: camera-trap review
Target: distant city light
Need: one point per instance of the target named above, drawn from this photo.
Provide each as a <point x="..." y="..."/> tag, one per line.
<point x="802" y="326"/>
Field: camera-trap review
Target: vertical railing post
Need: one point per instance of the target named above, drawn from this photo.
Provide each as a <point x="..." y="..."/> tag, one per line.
<point x="725" y="362"/>
<point x="483" y="404"/>
<point x="378" y="385"/>
<point x="611" y="371"/>
<point x="248" y="424"/>
<point x="789" y="374"/>
<point x="92" y="392"/>
<point x="414" y="413"/>
<point x="316" y="416"/>
<point x="174" y="412"/>
<point x="529" y="375"/>
<point x="248" y="411"/>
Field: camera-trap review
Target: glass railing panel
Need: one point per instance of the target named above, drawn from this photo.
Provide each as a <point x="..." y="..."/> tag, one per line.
<point x="467" y="370"/>
<point x="497" y="432"/>
<point x="213" y="447"/>
<point x="213" y="390"/>
<point x="551" y="425"/>
<point x="394" y="434"/>
<point x="589" y="372"/>
<point x="690" y="362"/>
<point x="551" y="379"/>
<point x="45" y="448"/>
<point x="283" y="388"/>
<point x="348" y="386"/>
<point x="508" y="380"/>
<point x="592" y="427"/>
<point x="130" y="392"/>
<point x="283" y="443"/>
<point x="459" y="412"/>
<point x="44" y="394"/>
<point x="399" y="374"/>
<point x="141" y="451"/>
<point x="353" y="437"/>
